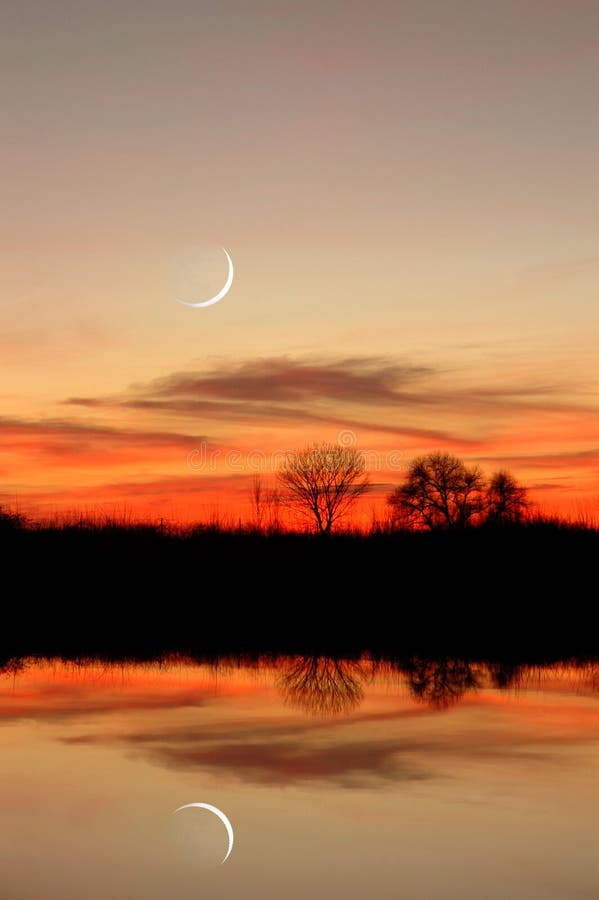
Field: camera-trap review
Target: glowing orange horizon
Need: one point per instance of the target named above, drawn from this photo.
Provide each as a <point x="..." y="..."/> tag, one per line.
<point x="399" y="274"/>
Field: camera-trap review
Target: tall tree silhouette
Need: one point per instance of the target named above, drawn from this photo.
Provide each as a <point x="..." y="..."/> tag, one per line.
<point x="322" y="482"/>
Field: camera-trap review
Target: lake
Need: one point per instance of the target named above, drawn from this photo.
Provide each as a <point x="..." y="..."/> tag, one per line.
<point x="350" y="779"/>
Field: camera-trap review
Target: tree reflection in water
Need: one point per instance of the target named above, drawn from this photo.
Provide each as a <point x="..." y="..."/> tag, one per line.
<point x="13" y="666"/>
<point x="504" y="675"/>
<point x="330" y="685"/>
<point x="441" y="683"/>
<point x="323" y="685"/>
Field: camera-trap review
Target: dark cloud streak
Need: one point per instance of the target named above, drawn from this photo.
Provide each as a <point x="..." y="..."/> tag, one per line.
<point x="337" y="392"/>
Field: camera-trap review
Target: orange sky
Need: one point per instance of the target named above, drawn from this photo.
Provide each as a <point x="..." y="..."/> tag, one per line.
<point x="409" y="196"/>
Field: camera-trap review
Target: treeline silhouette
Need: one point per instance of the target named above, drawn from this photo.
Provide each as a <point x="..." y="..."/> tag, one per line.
<point x="441" y="491"/>
<point x="333" y="685"/>
<point x="91" y="587"/>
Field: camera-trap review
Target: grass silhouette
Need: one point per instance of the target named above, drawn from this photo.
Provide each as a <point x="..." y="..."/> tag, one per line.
<point x="116" y="586"/>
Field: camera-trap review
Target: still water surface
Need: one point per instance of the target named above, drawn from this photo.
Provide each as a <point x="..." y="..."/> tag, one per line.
<point x="341" y="779"/>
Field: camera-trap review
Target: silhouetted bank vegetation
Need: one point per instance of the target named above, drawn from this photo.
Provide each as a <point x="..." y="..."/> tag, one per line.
<point x="336" y="686"/>
<point x="87" y="588"/>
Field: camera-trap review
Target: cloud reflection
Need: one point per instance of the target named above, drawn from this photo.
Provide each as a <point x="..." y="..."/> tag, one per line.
<point x="246" y="734"/>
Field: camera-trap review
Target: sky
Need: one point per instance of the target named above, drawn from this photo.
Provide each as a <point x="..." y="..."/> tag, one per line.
<point x="408" y="192"/>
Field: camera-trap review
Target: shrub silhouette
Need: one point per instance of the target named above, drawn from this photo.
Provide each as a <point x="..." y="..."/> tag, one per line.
<point x="440" y="491"/>
<point x="506" y="501"/>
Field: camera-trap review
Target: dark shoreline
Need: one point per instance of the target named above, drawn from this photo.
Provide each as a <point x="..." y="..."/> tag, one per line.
<point x="524" y="591"/>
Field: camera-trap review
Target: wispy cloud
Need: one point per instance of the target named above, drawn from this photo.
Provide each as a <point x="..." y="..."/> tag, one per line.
<point x="370" y="393"/>
<point x="283" y="379"/>
<point x="268" y="405"/>
<point x="156" y="492"/>
<point x="571" y="459"/>
<point x="63" y="441"/>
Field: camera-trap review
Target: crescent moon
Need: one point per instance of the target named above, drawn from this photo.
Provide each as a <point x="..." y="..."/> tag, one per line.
<point x="217" y="812"/>
<point x="224" y="290"/>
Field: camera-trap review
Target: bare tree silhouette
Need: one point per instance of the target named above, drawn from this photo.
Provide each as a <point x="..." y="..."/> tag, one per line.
<point x="322" y="482"/>
<point x="322" y="685"/>
<point x="440" y="491"/>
